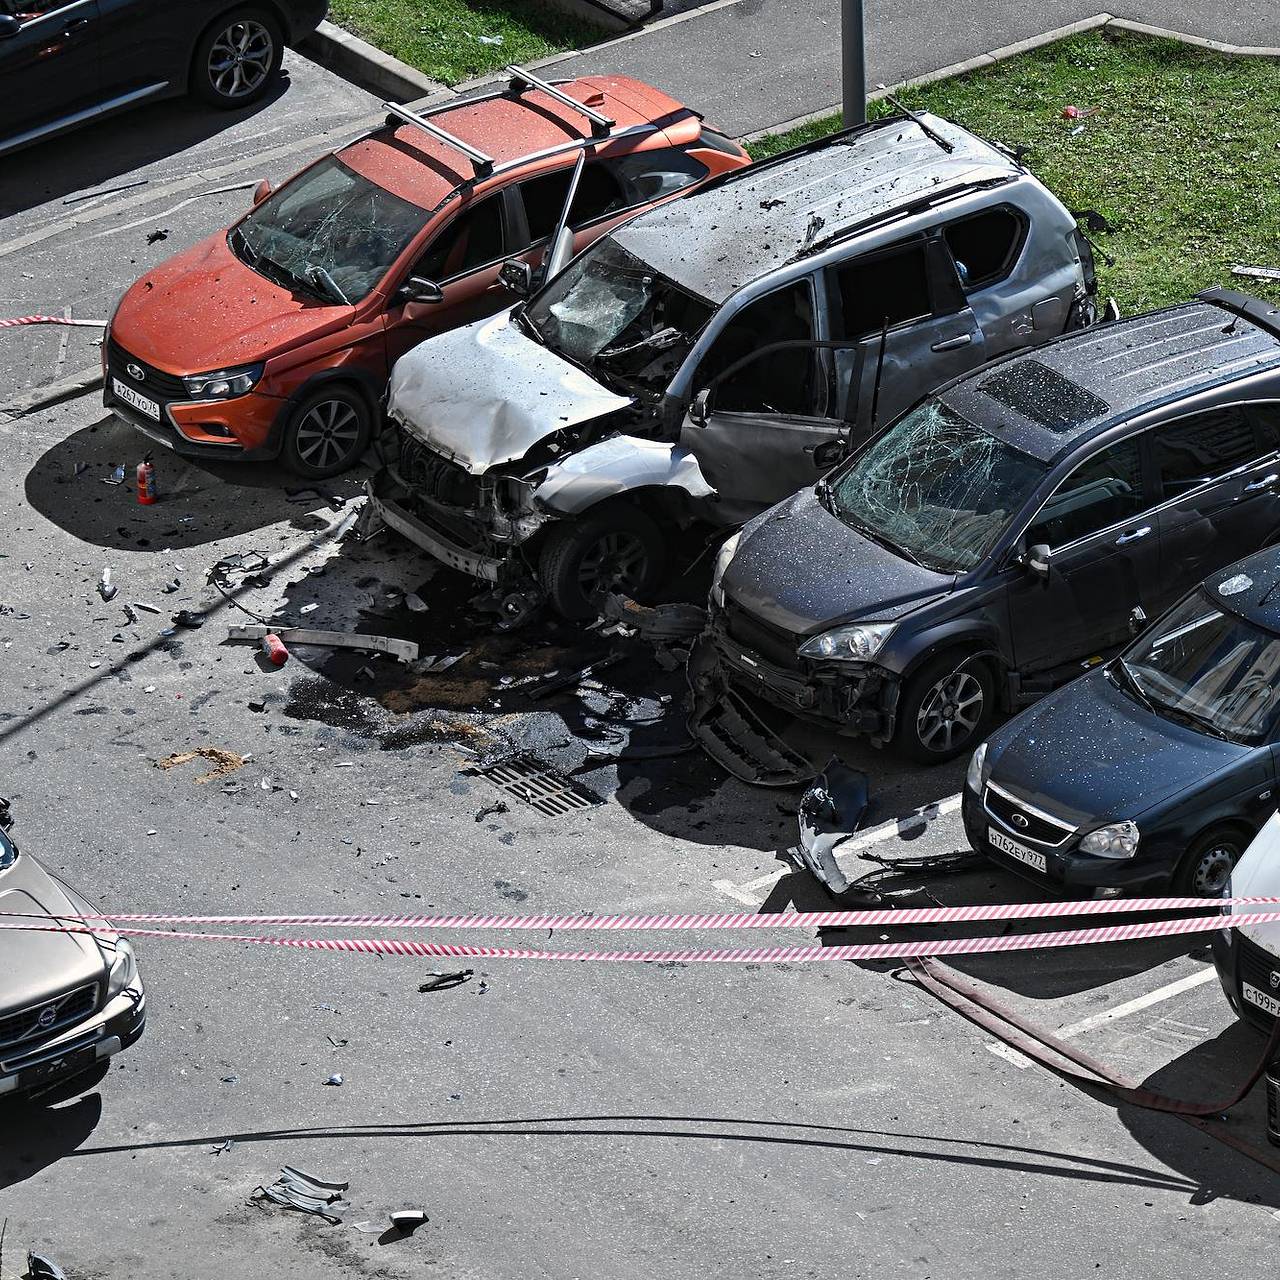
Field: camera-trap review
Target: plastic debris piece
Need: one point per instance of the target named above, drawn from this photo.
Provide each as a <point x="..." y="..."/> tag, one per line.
<point x="116" y="477"/>
<point x="142" y="604"/>
<point x="405" y="650"/>
<point x="407" y="1221"/>
<point x="488" y="810"/>
<point x="414" y="602"/>
<point x="160" y="233"/>
<point x="830" y="812"/>
<point x="106" y="588"/>
<point x="1256" y="273"/>
<point x="224" y="1147"/>
<point x="294" y="1189"/>
<point x="1079" y="113"/>
<point x="40" y="1267"/>
<point x="188" y="618"/>
<point x="170" y="587"/>
<point x="309" y="608"/>
<point x="335" y="1079"/>
<point x="439" y="980"/>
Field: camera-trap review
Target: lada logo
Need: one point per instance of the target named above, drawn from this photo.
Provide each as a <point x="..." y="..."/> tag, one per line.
<point x="1274" y="979"/>
<point x="1019" y="820"/>
<point x="136" y="372"/>
<point x="48" y="1016"/>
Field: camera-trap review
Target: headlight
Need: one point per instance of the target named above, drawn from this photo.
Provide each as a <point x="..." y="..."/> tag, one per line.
<point x="726" y="553"/>
<point x="974" y="779"/>
<point x="224" y="383"/>
<point x="124" y="969"/>
<point x="1119" y="840"/>
<point x="857" y="643"/>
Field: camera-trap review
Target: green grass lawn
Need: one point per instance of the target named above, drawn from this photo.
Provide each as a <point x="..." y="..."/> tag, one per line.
<point x="1183" y="157"/>
<point x="442" y="38"/>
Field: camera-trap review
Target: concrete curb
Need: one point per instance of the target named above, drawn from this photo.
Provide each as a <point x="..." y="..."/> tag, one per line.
<point x="1095" y="23"/>
<point x="364" y="64"/>
<point x="49" y="394"/>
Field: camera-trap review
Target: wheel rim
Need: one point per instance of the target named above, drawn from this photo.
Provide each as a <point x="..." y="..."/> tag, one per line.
<point x="328" y="433"/>
<point x="615" y="561"/>
<point x="241" y="58"/>
<point x="950" y="711"/>
<point x="1209" y="877"/>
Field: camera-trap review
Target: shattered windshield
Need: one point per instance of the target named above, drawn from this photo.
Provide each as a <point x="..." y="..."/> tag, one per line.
<point x="330" y="233"/>
<point x="611" y="313"/>
<point x="937" y="488"/>
<point x="1210" y="668"/>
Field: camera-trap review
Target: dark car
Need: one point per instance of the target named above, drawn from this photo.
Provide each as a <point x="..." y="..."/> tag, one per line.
<point x="1154" y="771"/>
<point x="66" y="62"/>
<point x="992" y="543"/>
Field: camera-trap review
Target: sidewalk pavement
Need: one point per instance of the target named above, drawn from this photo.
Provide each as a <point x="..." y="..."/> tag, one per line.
<point x="754" y="64"/>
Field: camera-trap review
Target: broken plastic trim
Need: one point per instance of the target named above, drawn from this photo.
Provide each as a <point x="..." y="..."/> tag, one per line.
<point x="405" y="650"/>
<point x="830" y="812"/>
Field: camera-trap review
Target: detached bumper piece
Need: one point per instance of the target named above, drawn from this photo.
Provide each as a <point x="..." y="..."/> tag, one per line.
<point x="739" y="741"/>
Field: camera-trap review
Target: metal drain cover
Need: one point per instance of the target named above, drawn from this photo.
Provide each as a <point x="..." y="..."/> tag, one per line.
<point x="538" y="785"/>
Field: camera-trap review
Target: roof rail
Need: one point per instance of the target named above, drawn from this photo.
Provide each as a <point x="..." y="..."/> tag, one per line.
<point x="522" y="79"/>
<point x="483" y="164"/>
<point x="1259" y="313"/>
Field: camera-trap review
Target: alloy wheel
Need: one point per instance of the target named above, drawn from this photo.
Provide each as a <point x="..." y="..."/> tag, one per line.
<point x="950" y="711"/>
<point x="328" y="434"/>
<point x="1210" y="874"/>
<point x="615" y="561"/>
<point x="240" y="59"/>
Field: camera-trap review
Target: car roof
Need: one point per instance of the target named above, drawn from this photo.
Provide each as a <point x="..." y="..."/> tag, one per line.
<point x="1252" y="588"/>
<point x="741" y="227"/>
<point x="507" y="126"/>
<point x="1045" y="400"/>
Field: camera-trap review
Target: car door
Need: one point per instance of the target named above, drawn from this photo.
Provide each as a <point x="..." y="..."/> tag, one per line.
<point x="1104" y="560"/>
<point x="49" y="64"/>
<point x="149" y="42"/>
<point x="906" y="298"/>
<point x="766" y="410"/>
<point x="1218" y="476"/>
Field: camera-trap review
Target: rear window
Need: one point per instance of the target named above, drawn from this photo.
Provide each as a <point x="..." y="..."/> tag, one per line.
<point x="1044" y="395"/>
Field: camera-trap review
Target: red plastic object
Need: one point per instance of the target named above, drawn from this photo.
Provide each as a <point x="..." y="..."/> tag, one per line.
<point x="146" y="476"/>
<point x="274" y="648"/>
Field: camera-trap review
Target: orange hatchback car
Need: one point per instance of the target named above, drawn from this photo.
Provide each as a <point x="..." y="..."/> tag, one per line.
<point x="275" y="338"/>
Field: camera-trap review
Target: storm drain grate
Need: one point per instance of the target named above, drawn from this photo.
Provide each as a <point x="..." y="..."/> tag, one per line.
<point x="538" y="785"/>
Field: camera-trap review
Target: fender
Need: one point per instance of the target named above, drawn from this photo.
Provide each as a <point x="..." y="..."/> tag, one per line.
<point x="618" y="466"/>
<point x="981" y="638"/>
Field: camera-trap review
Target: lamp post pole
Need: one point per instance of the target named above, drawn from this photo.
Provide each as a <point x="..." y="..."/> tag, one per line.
<point x="853" y="66"/>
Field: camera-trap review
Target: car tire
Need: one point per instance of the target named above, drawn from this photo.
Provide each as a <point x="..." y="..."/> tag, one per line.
<point x="327" y="432"/>
<point x="1207" y="863"/>
<point x="237" y="58"/>
<point x="952" y="682"/>
<point x="614" y="548"/>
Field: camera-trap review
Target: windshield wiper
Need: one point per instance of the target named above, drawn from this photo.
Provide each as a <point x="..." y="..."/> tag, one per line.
<point x="1129" y="682"/>
<point x="320" y="277"/>
<point x="876" y="536"/>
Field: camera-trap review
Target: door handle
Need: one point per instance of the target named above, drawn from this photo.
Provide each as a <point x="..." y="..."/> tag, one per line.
<point x="1134" y="536"/>
<point x="1258" y="485"/>
<point x="75" y="26"/>
<point x="953" y="344"/>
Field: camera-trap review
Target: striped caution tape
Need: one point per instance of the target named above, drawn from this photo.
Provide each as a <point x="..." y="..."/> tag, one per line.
<point x="25" y="320"/>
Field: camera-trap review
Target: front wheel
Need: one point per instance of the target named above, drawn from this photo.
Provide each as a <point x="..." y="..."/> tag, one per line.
<point x="944" y="709"/>
<point x="615" y="549"/>
<point x="327" y="433"/>
<point x="1206" y="866"/>
<point x="237" y="57"/>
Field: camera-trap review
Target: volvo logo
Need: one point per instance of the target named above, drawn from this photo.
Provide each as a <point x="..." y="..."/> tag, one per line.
<point x="1019" y="820"/>
<point x="136" y="372"/>
<point x="1274" y="979"/>
<point x="49" y="1015"/>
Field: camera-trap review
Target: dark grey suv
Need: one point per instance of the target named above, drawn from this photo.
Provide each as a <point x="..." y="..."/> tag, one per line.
<point x="994" y="541"/>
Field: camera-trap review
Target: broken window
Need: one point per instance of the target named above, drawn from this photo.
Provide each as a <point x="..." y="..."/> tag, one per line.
<point x="1196" y="449"/>
<point x="787" y="381"/>
<point x="936" y="488"/>
<point x="1103" y="491"/>
<point x="330" y="233"/>
<point x="473" y="239"/>
<point x="890" y="286"/>
<point x="985" y="246"/>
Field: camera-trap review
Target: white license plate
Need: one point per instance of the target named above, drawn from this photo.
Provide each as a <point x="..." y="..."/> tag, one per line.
<point x="130" y="396"/>
<point x="1032" y="857"/>
<point x="1260" y="1000"/>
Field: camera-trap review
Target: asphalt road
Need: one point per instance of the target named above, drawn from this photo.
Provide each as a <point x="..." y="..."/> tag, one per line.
<point x="552" y="1119"/>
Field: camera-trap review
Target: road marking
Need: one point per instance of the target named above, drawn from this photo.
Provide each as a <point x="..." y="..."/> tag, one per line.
<point x="1158" y="996"/>
<point x="895" y="828"/>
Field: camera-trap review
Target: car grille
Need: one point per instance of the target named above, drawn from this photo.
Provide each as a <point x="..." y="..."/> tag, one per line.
<point x="1023" y="820"/>
<point x="427" y="473"/>
<point x="155" y="382"/>
<point x="1256" y="967"/>
<point x="771" y="643"/>
<point x="67" y="1008"/>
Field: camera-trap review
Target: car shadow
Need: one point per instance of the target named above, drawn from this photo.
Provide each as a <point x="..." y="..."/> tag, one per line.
<point x="40" y="1131"/>
<point x="199" y="501"/>
<point x="94" y="154"/>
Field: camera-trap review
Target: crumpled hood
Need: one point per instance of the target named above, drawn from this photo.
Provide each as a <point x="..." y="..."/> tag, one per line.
<point x="36" y="965"/>
<point x="486" y="394"/>
<point x="1090" y="752"/>
<point x="802" y="569"/>
<point x="203" y="309"/>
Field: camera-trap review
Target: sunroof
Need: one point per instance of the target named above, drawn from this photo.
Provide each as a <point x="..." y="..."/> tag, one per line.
<point x="1043" y="395"/>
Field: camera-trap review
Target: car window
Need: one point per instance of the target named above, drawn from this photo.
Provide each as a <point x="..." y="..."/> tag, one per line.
<point x="985" y="246"/>
<point x="650" y="175"/>
<point x="543" y="199"/>
<point x="1100" y="492"/>
<point x="893" y="286"/>
<point x="1198" y="448"/>
<point x="471" y="240"/>
<point x="1266" y="418"/>
<point x="786" y="381"/>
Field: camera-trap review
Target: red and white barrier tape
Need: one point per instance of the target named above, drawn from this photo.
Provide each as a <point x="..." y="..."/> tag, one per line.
<point x="730" y="955"/>
<point x="738" y="920"/>
<point x="24" y="320"/>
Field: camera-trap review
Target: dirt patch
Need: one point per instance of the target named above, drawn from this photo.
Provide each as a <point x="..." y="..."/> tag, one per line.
<point x="225" y="762"/>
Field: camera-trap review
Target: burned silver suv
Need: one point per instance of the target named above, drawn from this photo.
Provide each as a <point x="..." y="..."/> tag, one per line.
<point x="720" y="352"/>
<point x="68" y="1001"/>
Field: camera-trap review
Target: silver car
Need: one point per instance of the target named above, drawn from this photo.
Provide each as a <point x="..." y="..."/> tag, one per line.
<point x="718" y="353"/>
<point x="68" y="1001"/>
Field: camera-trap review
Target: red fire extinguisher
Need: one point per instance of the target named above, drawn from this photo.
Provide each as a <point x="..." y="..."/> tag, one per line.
<point x="146" y="477"/>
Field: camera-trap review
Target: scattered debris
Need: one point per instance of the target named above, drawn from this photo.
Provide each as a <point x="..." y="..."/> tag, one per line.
<point x="224" y="1147"/>
<point x="830" y="812"/>
<point x="437" y="980"/>
<point x="1256" y="273"/>
<point x="274" y="650"/>
<point x="488" y="810"/>
<point x="116" y="477"/>
<point x="294" y="1189"/>
<point x="1079" y="113"/>
<point x="170" y="587"/>
<point x="555" y="681"/>
<point x="161" y="233"/>
<point x="659" y="624"/>
<point x="106" y="191"/>
<point x="414" y="602"/>
<point x="405" y="650"/>
<point x="40" y="1267"/>
<point x="434" y="663"/>
<point x="335" y="1079"/>
<point x="225" y="762"/>
<point x="142" y="604"/>
<point x="106" y="588"/>
<point x="309" y="608"/>
<point x="407" y="1221"/>
<point x="333" y="1040"/>
<point x="189" y="618"/>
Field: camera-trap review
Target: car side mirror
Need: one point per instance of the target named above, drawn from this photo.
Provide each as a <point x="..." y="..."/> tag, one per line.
<point x="1137" y="620"/>
<point x="262" y="191"/>
<point x="418" y="289"/>
<point x="9" y="26"/>
<point x="516" y="277"/>
<point x="828" y="454"/>
<point x="1037" y="559"/>
<point x="699" y="408"/>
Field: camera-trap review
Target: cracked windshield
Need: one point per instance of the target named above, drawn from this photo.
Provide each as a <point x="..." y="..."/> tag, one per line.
<point x="936" y="488"/>
<point x="331" y="233"/>
<point x="612" y="314"/>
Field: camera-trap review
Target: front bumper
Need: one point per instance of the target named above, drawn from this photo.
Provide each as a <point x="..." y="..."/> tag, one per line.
<point x="1238" y="961"/>
<point x="1066" y="868"/>
<point x="38" y="1064"/>
<point x="184" y="426"/>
